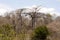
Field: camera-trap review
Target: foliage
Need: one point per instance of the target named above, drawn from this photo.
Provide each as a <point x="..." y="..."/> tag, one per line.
<point x="22" y="24"/>
<point x="6" y="32"/>
<point x="40" y="33"/>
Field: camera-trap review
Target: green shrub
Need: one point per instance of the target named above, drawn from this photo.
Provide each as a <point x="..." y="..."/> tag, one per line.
<point x="6" y="32"/>
<point x="40" y="33"/>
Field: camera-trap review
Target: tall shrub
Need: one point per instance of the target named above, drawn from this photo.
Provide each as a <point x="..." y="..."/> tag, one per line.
<point x="40" y="33"/>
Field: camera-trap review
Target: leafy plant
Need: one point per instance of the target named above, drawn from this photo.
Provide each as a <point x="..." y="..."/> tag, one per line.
<point x="6" y="32"/>
<point x="40" y="33"/>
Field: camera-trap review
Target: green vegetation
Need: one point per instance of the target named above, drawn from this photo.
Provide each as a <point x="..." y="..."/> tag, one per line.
<point x="6" y="32"/>
<point x="40" y="33"/>
<point x="16" y="26"/>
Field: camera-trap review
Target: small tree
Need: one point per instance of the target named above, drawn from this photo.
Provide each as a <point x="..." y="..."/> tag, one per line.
<point x="40" y="33"/>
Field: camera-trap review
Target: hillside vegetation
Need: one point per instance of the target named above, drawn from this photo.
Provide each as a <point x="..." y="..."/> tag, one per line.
<point x="20" y="25"/>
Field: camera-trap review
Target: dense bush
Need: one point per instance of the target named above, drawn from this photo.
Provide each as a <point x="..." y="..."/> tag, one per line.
<point x="40" y="33"/>
<point x="6" y="32"/>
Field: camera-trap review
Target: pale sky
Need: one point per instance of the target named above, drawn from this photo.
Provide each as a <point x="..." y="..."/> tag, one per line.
<point x="7" y="5"/>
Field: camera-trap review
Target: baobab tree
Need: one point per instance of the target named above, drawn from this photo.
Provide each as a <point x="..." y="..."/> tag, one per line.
<point x="33" y="14"/>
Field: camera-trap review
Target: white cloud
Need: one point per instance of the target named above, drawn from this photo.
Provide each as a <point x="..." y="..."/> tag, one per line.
<point x="52" y="11"/>
<point x="46" y="10"/>
<point x="4" y="8"/>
